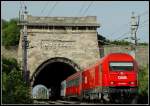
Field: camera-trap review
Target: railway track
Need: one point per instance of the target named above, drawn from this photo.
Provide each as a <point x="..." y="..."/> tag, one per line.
<point x="64" y="102"/>
<point x="55" y="102"/>
<point x="59" y="101"/>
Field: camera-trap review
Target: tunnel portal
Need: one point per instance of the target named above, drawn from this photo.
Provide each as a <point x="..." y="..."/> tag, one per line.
<point x="51" y="74"/>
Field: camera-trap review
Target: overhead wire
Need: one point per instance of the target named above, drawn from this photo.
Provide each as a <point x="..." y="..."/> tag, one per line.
<point x="46" y="4"/>
<point x="81" y="9"/>
<point x="85" y="11"/>
<point x="23" y="2"/>
<point x="126" y="33"/>
<point x="42" y="10"/>
<point x="21" y="7"/>
<point x="125" y="25"/>
<point x="51" y="10"/>
<point x="90" y="4"/>
<point x="129" y="31"/>
<point x="144" y="13"/>
<point x="145" y="21"/>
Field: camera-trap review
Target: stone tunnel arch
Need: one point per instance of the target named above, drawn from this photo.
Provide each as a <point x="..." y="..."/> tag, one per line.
<point x="51" y="72"/>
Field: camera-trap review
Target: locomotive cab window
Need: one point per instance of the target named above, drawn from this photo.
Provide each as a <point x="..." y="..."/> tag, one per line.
<point x="121" y="66"/>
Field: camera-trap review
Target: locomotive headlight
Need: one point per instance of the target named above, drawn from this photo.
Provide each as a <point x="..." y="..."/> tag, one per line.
<point x="111" y="82"/>
<point x="132" y="82"/>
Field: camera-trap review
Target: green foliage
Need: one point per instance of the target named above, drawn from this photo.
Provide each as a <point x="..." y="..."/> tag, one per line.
<point x="10" y="33"/>
<point x="123" y="42"/>
<point x="9" y="64"/>
<point x="120" y="42"/>
<point x="4" y="24"/>
<point x="143" y="80"/>
<point x="144" y="44"/>
<point x="102" y="40"/>
<point x="14" y="89"/>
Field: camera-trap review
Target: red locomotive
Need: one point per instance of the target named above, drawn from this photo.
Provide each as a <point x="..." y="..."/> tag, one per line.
<point x="115" y="75"/>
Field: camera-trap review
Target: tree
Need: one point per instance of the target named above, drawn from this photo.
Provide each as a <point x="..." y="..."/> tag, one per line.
<point x="120" y="42"/>
<point x="4" y="23"/>
<point x="10" y="33"/>
<point x="102" y="40"/>
<point x="14" y="88"/>
<point x="9" y="64"/>
<point x="143" y="44"/>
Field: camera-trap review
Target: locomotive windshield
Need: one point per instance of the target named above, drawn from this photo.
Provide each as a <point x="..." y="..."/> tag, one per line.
<point x="121" y="66"/>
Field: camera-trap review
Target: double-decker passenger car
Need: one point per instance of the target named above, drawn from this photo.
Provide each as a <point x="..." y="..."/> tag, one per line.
<point x="115" y="75"/>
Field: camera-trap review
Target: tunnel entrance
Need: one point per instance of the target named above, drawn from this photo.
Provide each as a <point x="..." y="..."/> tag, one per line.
<point x="52" y="73"/>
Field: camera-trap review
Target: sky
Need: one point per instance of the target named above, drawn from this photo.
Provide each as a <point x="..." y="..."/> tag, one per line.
<point x="113" y="16"/>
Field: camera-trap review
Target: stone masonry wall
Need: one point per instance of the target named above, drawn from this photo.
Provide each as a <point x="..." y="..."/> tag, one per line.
<point x="81" y="47"/>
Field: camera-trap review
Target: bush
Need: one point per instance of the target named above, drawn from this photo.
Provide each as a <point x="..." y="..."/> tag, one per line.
<point x="14" y="89"/>
<point x="143" y="80"/>
<point x="9" y="64"/>
<point x="10" y="33"/>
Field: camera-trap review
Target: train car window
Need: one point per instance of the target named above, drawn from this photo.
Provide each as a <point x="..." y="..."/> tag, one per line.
<point x="66" y="84"/>
<point x="121" y="66"/>
<point x="69" y="84"/>
<point x="72" y="82"/>
<point x="77" y="81"/>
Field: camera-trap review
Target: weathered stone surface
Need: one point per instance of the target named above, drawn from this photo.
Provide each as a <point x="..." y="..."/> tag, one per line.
<point x="62" y="21"/>
<point x="80" y="46"/>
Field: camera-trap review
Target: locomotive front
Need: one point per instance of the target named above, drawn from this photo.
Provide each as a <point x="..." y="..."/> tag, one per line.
<point x="122" y="76"/>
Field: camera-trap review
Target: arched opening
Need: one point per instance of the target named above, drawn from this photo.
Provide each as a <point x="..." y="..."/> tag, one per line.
<point x="40" y="92"/>
<point x="52" y="73"/>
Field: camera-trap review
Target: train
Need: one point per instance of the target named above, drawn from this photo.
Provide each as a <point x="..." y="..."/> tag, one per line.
<point x="113" y="77"/>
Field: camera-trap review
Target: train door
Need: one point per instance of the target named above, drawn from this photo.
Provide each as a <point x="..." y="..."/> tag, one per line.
<point x="63" y="89"/>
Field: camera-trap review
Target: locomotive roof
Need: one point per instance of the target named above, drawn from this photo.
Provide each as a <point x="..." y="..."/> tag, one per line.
<point x="120" y="55"/>
<point x="108" y="56"/>
<point x="74" y="75"/>
<point x="112" y="55"/>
